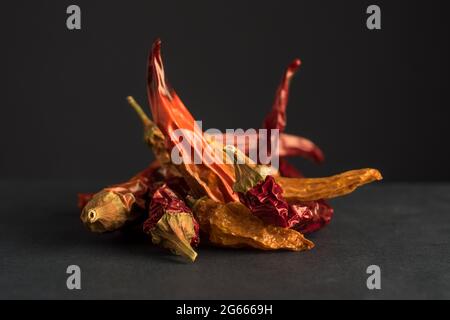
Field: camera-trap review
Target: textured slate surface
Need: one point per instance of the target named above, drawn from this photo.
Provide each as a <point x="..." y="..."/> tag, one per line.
<point x="405" y="229"/>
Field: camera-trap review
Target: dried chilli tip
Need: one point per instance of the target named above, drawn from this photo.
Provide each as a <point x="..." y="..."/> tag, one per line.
<point x="209" y="178"/>
<point x="261" y="194"/>
<point x="276" y="119"/>
<point x="111" y="208"/>
<point x="233" y="225"/>
<point x="310" y="189"/>
<point x="171" y="223"/>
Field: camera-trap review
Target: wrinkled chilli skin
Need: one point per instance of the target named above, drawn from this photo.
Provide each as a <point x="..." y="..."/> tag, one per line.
<point x="171" y="223"/>
<point x="233" y="225"/>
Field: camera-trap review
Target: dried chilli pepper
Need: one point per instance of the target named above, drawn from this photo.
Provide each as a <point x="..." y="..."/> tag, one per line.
<point x="169" y="113"/>
<point x="260" y="193"/>
<point x="276" y="119"/>
<point x="301" y="206"/>
<point x="309" y="189"/>
<point x="172" y="224"/>
<point x="313" y="215"/>
<point x="290" y="145"/>
<point x="233" y="225"/>
<point x="111" y="208"/>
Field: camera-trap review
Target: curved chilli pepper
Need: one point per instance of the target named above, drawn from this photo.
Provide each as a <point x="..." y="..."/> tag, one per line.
<point x="276" y="119"/>
<point x="208" y="178"/>
<point x="172" y="224"/>
<point x="309" y="189"/>
<point x="233" y="225"/>
<point x="313" y="215"/>
<point x="111" y="208"/>
<point x="290" y="145"/>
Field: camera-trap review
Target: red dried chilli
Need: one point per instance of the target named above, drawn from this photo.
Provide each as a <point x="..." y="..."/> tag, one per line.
<point x="265" y="200"/>
<point x="172" y="224"/>
<point x="313" y="215"/>
<point x="170" y="114"/>
<point x="262" y="195"/>
<point x="290" y="145"/>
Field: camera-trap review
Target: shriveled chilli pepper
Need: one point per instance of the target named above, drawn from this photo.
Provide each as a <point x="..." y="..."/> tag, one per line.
<point x="233" y="225"/>
<point x="169" y="113"/>
<point x="309" y="189"/>
<point x="313" y="215"/>
<point x="260" y="193"/>
<point x="172" y="224"/>
<point x="111" y="208"/>
<point x="266" y="197"/>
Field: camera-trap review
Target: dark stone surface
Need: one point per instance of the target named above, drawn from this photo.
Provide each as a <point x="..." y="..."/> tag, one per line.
<point x="405" y="229"/>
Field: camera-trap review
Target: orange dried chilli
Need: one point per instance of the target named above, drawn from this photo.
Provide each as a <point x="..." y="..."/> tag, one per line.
<point x="170" y="114"/>
<point x="233" y="225"/>
<point x="309" y="189"/>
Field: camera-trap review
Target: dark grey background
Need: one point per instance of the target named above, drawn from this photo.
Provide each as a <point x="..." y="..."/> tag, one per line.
<point x="368" y="98"/>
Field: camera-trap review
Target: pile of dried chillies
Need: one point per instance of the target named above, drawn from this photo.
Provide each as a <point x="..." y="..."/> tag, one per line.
<point x="237" y="204"/>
